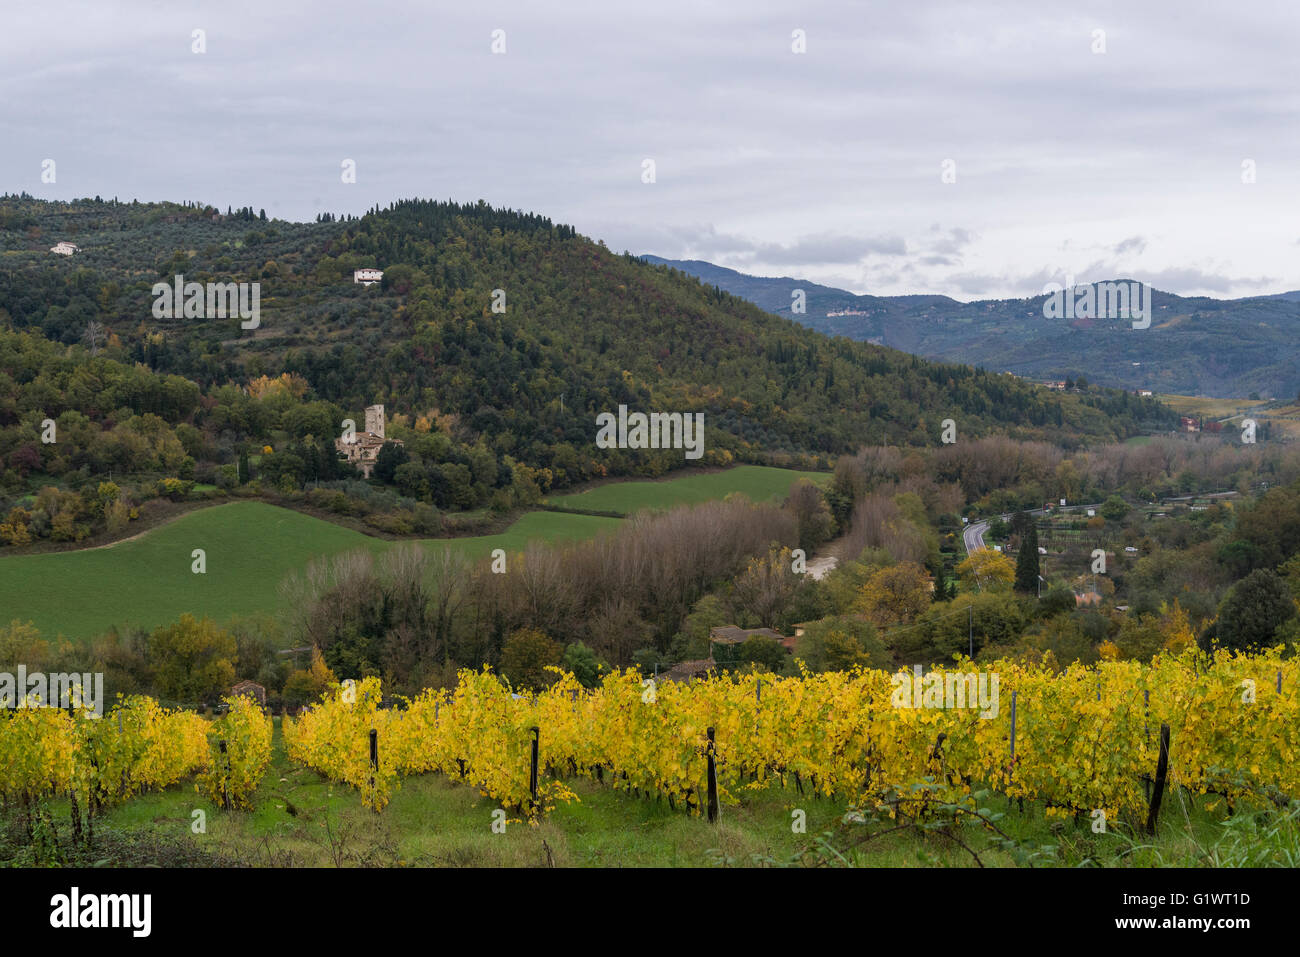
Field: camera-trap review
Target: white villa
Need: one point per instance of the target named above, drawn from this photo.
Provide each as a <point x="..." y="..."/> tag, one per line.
<point x="368" y="276"/>
<point x="65" y="248"/>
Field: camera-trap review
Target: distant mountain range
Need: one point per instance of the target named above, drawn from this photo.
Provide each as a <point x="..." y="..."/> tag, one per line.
<point x="1194" y="346"/>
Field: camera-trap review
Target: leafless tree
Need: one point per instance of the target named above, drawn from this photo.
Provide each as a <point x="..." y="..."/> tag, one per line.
<point x="93" y="336"/>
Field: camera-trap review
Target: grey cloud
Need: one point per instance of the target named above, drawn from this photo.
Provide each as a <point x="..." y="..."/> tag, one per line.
<point x="705" y="242"/>
<point x="1189" y="277"/>
<point x="826" y="162"/>
<point x="950" y="243"/>
<point x="829" y="249"/>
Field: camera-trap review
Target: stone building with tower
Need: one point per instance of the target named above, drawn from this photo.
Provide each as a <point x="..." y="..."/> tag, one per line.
<point x="362" y="449"/>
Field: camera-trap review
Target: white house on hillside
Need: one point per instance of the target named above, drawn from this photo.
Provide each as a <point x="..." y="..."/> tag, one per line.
<point x="65" y="248"/>
<point x="367" y="277"/>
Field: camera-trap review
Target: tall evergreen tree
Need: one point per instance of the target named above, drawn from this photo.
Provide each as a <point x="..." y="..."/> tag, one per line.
<point x="1253" y="610"/>
<point x="1027" y="561"/>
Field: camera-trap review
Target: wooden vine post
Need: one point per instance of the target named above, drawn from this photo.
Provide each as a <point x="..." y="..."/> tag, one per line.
<point x="713" y="781"/>
<point x="1162" y="769"/>
<point x="532" y="773"/>
<point x="374" y="762"/>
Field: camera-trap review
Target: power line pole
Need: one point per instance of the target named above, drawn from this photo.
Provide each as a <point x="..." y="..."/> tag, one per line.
<point x="970" y="625"/>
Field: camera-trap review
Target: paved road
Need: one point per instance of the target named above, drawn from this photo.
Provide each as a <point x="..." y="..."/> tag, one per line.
<point x="973" y="534"/>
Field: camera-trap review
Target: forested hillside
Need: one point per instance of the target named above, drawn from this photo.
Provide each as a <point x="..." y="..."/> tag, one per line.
<point x="494" y="406"/>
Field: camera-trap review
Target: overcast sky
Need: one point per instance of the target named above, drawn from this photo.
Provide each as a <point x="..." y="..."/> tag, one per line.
<point x="823" y="165"/>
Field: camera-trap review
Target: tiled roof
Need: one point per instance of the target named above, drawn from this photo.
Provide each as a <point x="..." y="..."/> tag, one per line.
<point x="732" y="635"/>
<point x="685" y="670"/>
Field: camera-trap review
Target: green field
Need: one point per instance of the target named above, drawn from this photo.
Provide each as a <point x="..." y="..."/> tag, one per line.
<point x="759" y="482"/>
<point x="249" y="548"/>
<point x="1207" y="406"/>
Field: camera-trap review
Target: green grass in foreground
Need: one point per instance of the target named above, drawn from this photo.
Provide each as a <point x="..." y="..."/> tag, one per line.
<point x="249" y="549"/>
<point x="433" y="821"/>
<point x="759" y="482"/>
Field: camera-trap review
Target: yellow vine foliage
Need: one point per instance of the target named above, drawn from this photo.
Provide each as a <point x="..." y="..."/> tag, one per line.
<point x="138" y="746"/>
<point x="235" y="775"/>
<point x="1086" y="737"/>
<point x="480" y="735"/>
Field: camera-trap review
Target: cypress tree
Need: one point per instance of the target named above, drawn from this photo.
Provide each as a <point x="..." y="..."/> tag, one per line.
<point x="1027" y="561"/>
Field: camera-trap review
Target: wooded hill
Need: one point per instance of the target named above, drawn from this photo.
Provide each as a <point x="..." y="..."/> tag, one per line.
<point x="584" y="330"/>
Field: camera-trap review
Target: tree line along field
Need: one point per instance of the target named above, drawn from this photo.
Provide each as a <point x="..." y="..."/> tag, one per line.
<point x="251" y="546"/>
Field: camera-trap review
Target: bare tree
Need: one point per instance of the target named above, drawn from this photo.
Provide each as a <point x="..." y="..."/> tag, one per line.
<point x="93" y="335"/>
<point x="450" y="576"/>
<point x="766" y="587"/>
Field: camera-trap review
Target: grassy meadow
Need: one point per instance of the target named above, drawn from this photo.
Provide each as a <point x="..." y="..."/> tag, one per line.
<point x="760" y="483"/>
<point x="250" y="547"/>
<point x="1209" y="406"/>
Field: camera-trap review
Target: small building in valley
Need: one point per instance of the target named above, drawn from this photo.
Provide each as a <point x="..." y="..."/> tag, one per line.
<point x="368" y="276"/>
<point x="688" y="670"/>
<point x="65" y="248"/>
<point x="731" y="635"/>
<point x="362" y="449"/>
<point x="252" y="689"/>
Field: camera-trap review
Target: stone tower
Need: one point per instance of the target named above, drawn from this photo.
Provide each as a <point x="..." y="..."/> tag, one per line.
<point x="375" y="420"/>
